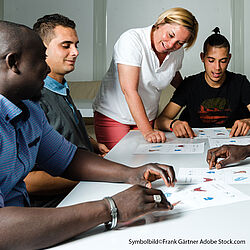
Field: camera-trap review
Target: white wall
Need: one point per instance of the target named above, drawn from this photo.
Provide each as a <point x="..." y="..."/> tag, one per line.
<point x="247" y="38"/>
<point x="81" y="11"/>
<point x="123" y="15"/>
<point x="126" y="14"/>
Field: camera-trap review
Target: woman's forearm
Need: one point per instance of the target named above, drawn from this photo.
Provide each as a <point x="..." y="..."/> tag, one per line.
<point x="138" y="111"/>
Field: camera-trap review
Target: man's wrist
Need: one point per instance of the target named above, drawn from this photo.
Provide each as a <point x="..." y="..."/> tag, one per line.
<point x="171" y="124"/>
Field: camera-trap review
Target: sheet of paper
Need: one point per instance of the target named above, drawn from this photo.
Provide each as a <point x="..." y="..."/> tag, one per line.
<point x="235" y="140"/>
<point x="165" y="148"/>
<point x="218" y="132"/>
<point x="234" y="175"/>
<point x="206" y="194"/>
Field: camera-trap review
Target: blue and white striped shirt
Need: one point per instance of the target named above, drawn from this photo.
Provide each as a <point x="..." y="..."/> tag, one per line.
<point x="26" y="138"/>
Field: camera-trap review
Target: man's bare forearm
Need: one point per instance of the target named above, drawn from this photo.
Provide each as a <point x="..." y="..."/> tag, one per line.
<point x="89" y="166"/>
<point x="35" y="228"/>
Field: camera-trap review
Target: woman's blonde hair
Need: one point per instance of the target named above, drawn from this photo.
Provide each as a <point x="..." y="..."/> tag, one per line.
<point x="181" y="17"/>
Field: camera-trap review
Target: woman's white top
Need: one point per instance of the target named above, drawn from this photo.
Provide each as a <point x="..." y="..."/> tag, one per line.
<point x="134" y="48"/>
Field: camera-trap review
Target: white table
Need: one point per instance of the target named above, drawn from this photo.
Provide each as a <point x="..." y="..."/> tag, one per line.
<point x="85" y="107"/>
<point x="221" y="222"/>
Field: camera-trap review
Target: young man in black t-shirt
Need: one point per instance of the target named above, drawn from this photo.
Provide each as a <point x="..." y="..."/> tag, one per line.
<point x="214" y="98"/>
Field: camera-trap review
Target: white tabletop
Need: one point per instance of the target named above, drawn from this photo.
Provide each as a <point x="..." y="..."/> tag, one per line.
<point x="228" y="222"/>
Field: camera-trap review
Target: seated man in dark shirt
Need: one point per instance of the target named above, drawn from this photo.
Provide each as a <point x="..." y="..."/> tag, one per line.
<point x="214" y="98"/>
<point x="61" y="41"/>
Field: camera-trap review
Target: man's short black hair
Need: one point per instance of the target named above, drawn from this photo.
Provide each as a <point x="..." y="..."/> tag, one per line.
<point x="216" y="40"/>
<point x="45" y="25"/>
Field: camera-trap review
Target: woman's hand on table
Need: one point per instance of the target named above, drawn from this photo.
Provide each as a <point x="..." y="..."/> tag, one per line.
<point x="155" y="136"/>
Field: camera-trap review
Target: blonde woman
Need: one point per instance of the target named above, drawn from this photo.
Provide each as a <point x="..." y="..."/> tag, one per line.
<point x="145" y="61"/>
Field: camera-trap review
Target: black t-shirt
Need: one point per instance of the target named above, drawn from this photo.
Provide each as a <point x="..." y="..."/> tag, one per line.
<point x="213" y="107"/>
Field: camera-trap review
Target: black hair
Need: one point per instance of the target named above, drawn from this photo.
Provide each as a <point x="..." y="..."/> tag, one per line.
<point x="216" y="40"/>
<point x="45" y="25"/>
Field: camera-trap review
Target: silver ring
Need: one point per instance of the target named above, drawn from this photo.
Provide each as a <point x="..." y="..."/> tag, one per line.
<point x="157" y="198"/>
